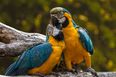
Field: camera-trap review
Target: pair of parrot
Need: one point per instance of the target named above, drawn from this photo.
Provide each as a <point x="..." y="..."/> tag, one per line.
<point x="78" y="44"/>
<point x="64" y="35"/>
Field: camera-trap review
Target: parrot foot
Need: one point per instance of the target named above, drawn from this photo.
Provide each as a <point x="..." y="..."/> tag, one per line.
<point x="92" y="71"/>
<point x="77" y="69"/>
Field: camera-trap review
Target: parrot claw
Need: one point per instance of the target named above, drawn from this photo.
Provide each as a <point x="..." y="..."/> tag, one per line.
<point x="77" y="69"/>
<point x="92" y="71"/>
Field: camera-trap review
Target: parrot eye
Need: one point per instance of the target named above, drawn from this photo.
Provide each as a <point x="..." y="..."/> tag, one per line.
<point x="58" y="15"/>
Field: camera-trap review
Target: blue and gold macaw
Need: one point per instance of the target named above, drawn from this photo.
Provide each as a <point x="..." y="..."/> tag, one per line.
<point x="41" y="58"/>
<point x="79" y="46"/>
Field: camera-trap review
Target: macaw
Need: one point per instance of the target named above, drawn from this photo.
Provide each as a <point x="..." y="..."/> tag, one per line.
<point x="40" y="59"/>
<point x="78" y="43"/>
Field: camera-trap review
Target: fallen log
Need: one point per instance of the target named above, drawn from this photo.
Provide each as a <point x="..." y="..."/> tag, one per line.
<point x="13" y="42"/>
<point x="69" y="74"/>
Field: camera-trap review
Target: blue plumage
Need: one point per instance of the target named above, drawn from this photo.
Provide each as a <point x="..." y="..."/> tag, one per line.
<point x="84" y="37"/>
<point x="33" y="57"/>
<point x="86" y="40"/>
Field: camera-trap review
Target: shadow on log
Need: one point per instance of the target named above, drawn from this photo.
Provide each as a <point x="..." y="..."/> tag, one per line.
<point x="13" y="42"/>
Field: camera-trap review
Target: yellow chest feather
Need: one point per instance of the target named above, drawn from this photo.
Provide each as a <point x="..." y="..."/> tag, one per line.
<point x="47" y="66"/>
<point x="74" y="49"/>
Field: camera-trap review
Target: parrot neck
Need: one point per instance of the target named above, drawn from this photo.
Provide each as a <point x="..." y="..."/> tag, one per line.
<point x="55" y="42"/>
<point x="69" y="30"/>
<point x="52" y="40"/>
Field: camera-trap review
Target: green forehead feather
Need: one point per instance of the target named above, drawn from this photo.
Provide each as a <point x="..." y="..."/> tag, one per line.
<point x="56" y="10"/>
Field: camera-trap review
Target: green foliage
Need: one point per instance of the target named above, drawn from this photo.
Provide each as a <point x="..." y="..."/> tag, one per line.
<point x="97" y="16"/>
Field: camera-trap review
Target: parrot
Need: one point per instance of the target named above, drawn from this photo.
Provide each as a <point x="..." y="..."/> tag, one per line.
<point x="41" y="58"/>
<point x="79" y="46"/>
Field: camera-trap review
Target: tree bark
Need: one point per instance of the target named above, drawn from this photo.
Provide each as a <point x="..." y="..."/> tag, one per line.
<point x="13" y="42"/>
<point x="69" y="74"/>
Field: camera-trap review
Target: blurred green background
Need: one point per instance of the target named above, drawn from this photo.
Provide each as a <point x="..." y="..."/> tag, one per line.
<point x="97" y="16"/>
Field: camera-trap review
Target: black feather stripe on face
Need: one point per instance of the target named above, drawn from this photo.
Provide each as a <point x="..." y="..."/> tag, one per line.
<point x="56" y="23"/>
<point x="54" y="20"/>
<point x="65" y="24"/>
<point x="60" y="36"/>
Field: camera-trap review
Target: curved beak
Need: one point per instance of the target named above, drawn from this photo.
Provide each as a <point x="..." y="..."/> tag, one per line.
<point x="57" y="20"/>
<point x="54" y="20"/>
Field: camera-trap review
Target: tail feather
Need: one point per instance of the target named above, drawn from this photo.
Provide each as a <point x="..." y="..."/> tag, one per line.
<point x="32" y="57"/>
<point x="11" y="69"/>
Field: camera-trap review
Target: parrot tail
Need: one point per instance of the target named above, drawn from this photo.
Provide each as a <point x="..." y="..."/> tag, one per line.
<point x="11" y="69"/>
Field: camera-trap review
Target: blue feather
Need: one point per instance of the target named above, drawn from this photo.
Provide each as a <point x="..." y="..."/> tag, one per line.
<point x="75" y="25"/>
<point x="84" y="37"/>
<point x="33" y="57"/>
<point x="86" y="40"/>
<point x="47" y="37"/>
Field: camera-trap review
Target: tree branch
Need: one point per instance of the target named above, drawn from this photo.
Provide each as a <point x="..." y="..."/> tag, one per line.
<point x="13" y="42"/>
<point x="69" y="74"/>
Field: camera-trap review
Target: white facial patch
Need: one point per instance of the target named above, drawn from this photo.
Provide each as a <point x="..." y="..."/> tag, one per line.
<point x="49" y="30"/>
<point x="62" y="20"/>
<point x="55" y="31"/>
<point x="52" y="30"/>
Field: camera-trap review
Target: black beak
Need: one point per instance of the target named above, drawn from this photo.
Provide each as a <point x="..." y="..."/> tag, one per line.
<point x="55" y="22"/>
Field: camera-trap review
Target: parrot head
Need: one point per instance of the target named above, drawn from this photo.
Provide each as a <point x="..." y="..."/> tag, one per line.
<point x="55" y="26"/>
<point x="61" y="17"/>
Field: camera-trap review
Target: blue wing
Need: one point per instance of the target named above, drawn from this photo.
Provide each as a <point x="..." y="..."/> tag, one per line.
<point x="33" y="57"/>
<point x="86" y="40"/>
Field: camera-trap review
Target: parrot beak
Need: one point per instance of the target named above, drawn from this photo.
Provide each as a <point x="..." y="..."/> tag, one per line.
<point x="58" y="12"/>
<point x="59" y="17"/>
<point x="54" y="20"/>
<point x="57" y="20"/>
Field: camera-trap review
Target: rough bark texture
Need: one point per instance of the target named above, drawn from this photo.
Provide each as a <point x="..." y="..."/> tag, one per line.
<point x="68" y="74"/>
<point x="13" y="42"/>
